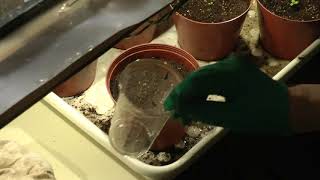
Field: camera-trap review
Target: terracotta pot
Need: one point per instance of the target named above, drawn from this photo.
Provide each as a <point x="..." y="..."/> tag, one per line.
<point x="285" y="38"/>
<point x="149" y="51"/>
<point x="149" y="33"/>
<point x="142" y="37"/>
<point x="77" y="83"/>
<point x="173" y="132"/>
<point x="208" y="41"/>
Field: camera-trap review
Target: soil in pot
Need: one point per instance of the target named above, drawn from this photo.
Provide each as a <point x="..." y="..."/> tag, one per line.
<point x="213" y="11"/>
<point x="305" y="10"/>
<point x="178" y="67"/>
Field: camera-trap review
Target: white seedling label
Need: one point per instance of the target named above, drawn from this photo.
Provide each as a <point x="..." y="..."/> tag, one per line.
<point x="216" y="98"/>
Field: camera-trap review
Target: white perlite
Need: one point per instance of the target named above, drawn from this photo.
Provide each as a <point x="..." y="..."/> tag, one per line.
<point x="193" y="131"/>
<point x="164" y="157"/>
<point x="216" y="98"/>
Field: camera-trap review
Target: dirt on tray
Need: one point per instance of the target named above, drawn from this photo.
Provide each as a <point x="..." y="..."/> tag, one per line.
<point x="194" y="133"/>
<point x="102" y="121"/>
<point x="304" y="11"/>
<point x="213" y="11"/>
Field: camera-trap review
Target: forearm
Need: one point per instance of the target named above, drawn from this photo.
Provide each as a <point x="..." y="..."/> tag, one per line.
<point x="304" y="103"/>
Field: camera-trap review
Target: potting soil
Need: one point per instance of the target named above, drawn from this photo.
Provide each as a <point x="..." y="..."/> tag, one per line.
<point x="178" y="67"/>
<point x="305" y="10"/>
<point x="213" y="11"/>
<point x="102" y="121"/>
<point x="145" y="83"/>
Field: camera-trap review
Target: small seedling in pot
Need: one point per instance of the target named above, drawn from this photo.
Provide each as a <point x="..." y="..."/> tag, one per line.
<point x="294" y="3"/>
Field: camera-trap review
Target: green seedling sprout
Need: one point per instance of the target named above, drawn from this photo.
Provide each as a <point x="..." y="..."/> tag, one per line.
<point x="294" y="3"/>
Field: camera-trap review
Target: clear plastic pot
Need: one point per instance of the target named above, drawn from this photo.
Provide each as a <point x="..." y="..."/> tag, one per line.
<point x="139" y="115"/>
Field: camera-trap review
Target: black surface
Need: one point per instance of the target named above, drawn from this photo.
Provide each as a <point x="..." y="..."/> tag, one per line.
<point x="64" y="48"/>
<point x="22" y="14"/>
<point x="247" y="157"/>
<point x="17" y="11"/>
<point x="308" y="74"/>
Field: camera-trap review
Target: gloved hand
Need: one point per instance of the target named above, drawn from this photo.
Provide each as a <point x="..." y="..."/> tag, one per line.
<point x="254" y="102"/>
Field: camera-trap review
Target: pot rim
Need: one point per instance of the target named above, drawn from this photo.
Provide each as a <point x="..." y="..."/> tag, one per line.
<point x="216" y="23"/>
<point x="152" y="46"/>
<point x="159" y="47"/>
<point x="284" y="18"/>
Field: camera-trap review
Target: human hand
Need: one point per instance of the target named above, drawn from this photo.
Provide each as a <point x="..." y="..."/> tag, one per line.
<point x="254" y="103"/>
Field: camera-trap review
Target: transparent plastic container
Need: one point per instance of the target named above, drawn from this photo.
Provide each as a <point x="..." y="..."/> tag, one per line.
<point x="139" y="113"/>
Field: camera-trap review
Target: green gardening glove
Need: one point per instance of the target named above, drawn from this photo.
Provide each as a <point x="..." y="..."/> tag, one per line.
<point x="254" y="103"/>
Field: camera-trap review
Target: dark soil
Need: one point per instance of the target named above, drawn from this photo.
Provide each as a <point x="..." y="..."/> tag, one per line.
<point x="213" y="11"/>
<point x="114" y="84"/>
<point x="273" y="70"/>
<point x="306" y="9"/>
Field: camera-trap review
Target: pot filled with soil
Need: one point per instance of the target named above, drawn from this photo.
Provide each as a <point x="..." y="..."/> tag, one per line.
<point x="78" y="83"/>
<point x="288" y="26"/>
<point x="176" y="58"/>
<point x="209" y="29"/>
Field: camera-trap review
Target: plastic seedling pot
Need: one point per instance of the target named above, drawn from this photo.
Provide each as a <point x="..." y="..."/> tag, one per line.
<point x="139" y="114"/>
<point x="285" y="38"/>
<point x="78" y="83"/>
<point x="208" y="41"/>
<point x="163" y="53"/>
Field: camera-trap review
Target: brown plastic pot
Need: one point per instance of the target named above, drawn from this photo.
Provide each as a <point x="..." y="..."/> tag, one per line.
<point x="149" y="33"/>
<point x="208" y="41"/>
<point x="285" y="38"/>
<point x="172" y="132"/>
<point x="150" y="51"/>
<point x="77" y="83"/>
<point x="141" y="38"/>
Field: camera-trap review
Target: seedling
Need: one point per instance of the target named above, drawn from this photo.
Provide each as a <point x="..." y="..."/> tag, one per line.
<point x="294" y="3"/>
